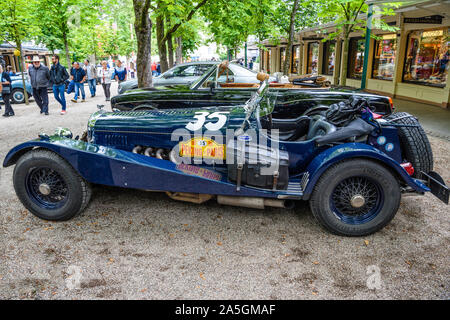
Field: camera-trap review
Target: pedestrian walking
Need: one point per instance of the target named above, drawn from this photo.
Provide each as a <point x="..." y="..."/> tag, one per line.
<point x="120" y="73"/>
<point x="158" y="68"/>
<point x="40" y="78"/>
<point x="104" y="74"/>
<point x="78" y="75"/>
<point x="5" y="89"/>
<point x="71" y="86"/>
<point x="58" y="77"/>
<point x="153" y="67"/>
<point x="91" y="73"/>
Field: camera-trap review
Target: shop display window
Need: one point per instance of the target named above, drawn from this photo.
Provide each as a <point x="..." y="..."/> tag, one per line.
<point x="295" y="59"/>
<point x="313" y="58"/>
<point x="427" y="56"/>
<point x="355" y="58"/>
<point x="329" y="57"/>
<point x="282" y="57"/>
<point x="384" y="57"/>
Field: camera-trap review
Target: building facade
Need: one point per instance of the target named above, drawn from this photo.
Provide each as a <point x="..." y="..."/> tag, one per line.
<point x="29" y="50"/>
<point x="411" y="63"/>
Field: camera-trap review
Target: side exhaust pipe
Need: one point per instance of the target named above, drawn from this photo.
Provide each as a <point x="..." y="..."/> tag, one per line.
<point x="137" y="149"/>
<point x="253" y="202"/>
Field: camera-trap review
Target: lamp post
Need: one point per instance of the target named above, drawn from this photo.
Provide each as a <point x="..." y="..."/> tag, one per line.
<point x="246" y="54"/>
<point x="370" y="3"/>
<point x="367" y="45"/>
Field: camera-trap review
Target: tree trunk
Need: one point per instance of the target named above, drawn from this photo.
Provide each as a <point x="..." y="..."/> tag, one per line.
<point x="66" y="47"/>
<point x="170" y="50"/>
<point x="179" y="50"/>
<point x="162" y="49"/>
<point x="143" y="30"/>
<point x="344" y="62"/>
<point x="287" y="60"/>
<point x="22" y="61"/>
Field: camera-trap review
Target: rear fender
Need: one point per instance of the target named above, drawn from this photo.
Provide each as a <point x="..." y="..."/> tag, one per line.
<point x="331" y="156"/>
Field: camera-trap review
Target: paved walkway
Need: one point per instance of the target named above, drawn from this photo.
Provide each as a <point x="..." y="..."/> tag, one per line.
<point x="435" y="120"/>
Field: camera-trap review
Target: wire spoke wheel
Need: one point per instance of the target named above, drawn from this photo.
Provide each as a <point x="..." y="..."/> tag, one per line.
<point x="47" y="188"/>
<point x="356" y="200"/>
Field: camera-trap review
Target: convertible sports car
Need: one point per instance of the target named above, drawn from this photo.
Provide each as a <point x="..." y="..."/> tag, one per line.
<point x="217" y="87"/>
<point x="351" y="167"/>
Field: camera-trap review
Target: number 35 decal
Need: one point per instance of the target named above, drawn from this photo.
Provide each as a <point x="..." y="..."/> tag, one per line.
<point x="212" y="126"/>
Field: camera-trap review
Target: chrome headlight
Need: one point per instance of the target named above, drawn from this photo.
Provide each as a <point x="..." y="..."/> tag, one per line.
<point x="94" y="117"/>
<point x="63" y="132"/>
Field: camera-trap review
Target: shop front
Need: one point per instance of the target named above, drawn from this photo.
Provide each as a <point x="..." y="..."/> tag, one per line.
<point x="7" y="51"/>
<point x="411" y="62"/>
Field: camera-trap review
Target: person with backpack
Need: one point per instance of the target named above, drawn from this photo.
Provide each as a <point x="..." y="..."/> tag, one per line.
<point x="120" y="73"/>
<point x="58" y="77"/>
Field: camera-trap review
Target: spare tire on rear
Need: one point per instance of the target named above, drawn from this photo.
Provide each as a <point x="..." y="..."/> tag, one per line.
<point x="414" y="142"/>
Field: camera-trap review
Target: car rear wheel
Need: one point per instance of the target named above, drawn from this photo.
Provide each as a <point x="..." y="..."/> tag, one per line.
<point x="355" y="198"/>
<point x="415" y="145"/>
<point x="49" y="187"/>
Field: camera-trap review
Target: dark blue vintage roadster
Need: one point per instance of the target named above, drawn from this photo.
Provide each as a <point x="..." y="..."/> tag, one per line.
<point x="352" y="167"/>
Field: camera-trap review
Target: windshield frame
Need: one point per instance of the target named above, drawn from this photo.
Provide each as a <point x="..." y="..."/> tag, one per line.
<point x="199" y="82"/>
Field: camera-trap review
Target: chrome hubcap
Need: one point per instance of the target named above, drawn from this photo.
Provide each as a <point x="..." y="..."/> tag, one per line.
<point x="357" y="201"/>
<point x="44" y="189"/>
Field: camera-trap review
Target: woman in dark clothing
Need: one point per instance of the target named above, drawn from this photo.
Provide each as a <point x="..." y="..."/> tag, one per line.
<point x="5" y="79"/>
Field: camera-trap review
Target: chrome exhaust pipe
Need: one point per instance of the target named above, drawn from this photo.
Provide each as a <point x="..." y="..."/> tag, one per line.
<point x="148" y="152"/>
<point x="253" y="202"/>
<point x="172" y="157"/>
<point x="159" y="153"/>
<point x="137" y="149"/>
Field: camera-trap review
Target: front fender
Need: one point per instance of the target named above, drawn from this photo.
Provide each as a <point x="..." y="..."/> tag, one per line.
<point x="115" y="167"/>
<point x="338" y="153"/>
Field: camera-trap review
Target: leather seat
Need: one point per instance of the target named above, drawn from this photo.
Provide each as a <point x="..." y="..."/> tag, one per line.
<point x="289" y="129"/>
<point x="319" y="127"/>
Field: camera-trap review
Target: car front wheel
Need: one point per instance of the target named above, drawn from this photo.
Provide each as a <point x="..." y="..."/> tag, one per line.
<point x="355" y="198"/>
<point x="49" y="187"/>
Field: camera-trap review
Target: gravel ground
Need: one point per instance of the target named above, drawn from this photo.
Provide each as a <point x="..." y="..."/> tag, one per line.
<point x="141" y="245"/>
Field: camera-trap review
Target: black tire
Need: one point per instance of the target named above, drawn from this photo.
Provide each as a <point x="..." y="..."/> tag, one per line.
<point x="414" y="142"/>
<point x="381" y="192"/>
<point x="17" y="96"/>
<point x="69" y="193"/>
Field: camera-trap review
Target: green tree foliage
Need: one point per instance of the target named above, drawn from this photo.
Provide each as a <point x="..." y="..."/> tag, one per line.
<point x="16" y="25"/>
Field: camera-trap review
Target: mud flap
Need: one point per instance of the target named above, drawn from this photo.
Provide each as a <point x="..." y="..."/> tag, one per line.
<point x="437" y="186"/>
